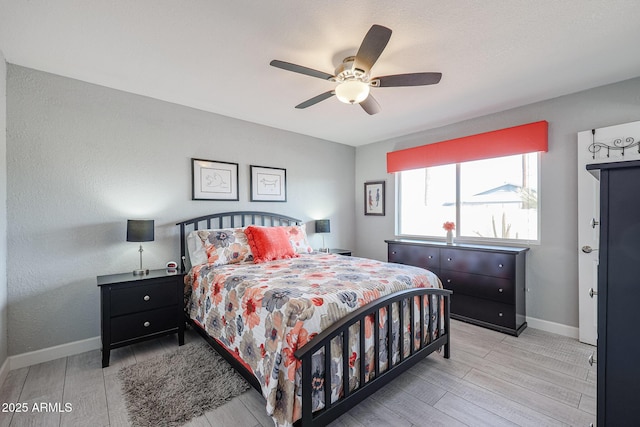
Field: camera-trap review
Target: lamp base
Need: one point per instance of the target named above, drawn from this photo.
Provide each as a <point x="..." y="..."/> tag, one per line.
<point x="140" y="272"/>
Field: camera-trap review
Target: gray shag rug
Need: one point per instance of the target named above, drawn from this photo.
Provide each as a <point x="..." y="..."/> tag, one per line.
<point x="170" y="389"/>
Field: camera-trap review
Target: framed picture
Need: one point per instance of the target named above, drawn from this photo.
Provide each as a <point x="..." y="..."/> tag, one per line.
<point x="212" y="180"/>
<point x="374" y="198"/>
<point x="268" y="184"/>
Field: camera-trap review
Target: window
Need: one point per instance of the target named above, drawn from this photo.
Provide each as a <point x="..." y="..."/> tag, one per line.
<point x="492" y="199"/>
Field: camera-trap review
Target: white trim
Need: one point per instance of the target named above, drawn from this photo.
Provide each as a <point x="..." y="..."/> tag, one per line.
<point x="555" y="328"/>
<point x="4" y="371"/>
<point x="52" y="353"/>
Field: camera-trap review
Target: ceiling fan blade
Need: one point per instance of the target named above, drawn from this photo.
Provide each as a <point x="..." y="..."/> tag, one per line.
<point x="300" y="69"/>
<point x="372" y="46"/>
<point x="370" y="105"/>
<point x="316" y="99"/>
<point x="411" y="79"/>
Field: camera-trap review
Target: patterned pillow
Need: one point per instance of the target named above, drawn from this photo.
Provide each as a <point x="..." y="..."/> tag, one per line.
<point x="219" y="246"/>
<point x="298" y="239"/>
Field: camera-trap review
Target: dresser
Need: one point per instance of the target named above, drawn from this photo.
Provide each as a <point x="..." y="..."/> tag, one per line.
<point x="488" y="282"/>
<point x="618" y="345"/>
<point x="138" y="308"/>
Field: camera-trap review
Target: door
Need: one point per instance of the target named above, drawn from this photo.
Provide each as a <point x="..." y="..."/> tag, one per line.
<point x="610" y="144"/>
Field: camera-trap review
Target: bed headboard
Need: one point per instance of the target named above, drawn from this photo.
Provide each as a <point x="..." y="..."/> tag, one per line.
<point x="229" y="220"/>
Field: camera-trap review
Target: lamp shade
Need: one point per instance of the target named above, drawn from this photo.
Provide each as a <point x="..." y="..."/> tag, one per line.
<point x="140" y="230"/>
<point x="323" y="226"/>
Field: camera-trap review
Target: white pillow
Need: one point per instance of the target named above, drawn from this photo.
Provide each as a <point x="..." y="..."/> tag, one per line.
<point x="195" y="250"/>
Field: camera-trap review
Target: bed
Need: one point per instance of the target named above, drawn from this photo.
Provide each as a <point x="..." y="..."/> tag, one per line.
<point x="274" y="312"/>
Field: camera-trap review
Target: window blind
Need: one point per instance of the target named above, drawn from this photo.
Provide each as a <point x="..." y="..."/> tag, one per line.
<point x="527" y="138"/>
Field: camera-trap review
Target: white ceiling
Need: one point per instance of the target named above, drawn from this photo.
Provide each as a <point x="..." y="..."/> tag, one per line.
<point x="214" y="55"/>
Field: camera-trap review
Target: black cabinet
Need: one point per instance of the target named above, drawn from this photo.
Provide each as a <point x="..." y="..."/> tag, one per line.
<point x="137" y="308"/>
<point x="344" y="252"/>
<point x="488" y="282"/>
<point x="618" y="351"/>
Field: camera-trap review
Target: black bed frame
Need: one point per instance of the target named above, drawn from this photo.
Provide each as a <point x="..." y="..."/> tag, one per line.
<point x="339" y="330"/>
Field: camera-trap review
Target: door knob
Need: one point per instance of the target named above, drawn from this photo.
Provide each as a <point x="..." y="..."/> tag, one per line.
<point x="592" y="292"/>
<point x="594" y="222"/>
<point x="588" y="249"/>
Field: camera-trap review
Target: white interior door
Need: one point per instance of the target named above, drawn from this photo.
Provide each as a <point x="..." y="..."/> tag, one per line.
<point x="606" y="145"/>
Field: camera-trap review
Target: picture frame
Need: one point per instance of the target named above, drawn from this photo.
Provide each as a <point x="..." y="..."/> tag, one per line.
<point x="374" y="198"/>
<point x="214" y="180"/>
<point x="268" y="184"/>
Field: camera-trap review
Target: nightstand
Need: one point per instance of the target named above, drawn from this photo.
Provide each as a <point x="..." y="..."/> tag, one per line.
<point x="345" y="252"/>
<point x="138" y="308"/>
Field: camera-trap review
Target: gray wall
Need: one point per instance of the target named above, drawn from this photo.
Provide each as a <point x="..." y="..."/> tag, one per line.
<point x="552" y="270"/>
<point x="81" y="159"/>
<point x="3" y="210"/>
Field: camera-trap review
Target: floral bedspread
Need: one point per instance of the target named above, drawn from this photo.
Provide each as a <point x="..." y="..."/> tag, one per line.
<point x="264" y="312"/>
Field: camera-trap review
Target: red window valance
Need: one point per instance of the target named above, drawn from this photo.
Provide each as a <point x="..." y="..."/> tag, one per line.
<point x="521" y="139"/>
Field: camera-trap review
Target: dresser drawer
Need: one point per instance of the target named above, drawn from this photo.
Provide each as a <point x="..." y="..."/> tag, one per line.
<point x="484" y="310"/>
<point x="486" y="263"/>
<point x="137" y="325"/>
<point x="418" y="256"/>
<point x="126" y="300"/>
<point x="476" y="285"/>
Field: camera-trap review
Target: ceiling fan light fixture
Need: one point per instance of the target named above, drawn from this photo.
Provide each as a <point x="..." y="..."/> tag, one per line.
<point x="352" y="91"/>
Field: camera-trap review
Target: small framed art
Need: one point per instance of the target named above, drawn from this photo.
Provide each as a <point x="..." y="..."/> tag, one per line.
<point x="213" y="180"/>
<point x="374" y="198"/>
<point x="268" y="184"/>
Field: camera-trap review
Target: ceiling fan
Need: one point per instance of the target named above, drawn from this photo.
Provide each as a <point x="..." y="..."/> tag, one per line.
<point x="353" y="78"/>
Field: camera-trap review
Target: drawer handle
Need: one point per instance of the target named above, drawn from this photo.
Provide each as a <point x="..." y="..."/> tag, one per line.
<point x="500" y="265"/>
<point x="591" y="360"/>
<point x="500" y="314"/>
<point x="146" y="298"/>
<point x="500" y="290"/>
<point x="448" y="259"/>
<point x="146" y="324"/>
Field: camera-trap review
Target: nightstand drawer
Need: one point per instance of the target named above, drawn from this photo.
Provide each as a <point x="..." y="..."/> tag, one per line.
<point x="146" y="297"/>
<point x="488" y="287"/>
<point x="145" y="323"/>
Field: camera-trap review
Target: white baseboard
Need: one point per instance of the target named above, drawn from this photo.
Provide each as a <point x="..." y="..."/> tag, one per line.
<point x="52" y="353"/>
<point x="556" y="328"/>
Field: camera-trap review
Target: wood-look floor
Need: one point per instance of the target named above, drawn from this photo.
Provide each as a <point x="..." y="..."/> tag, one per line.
<point x="538" y="379"/>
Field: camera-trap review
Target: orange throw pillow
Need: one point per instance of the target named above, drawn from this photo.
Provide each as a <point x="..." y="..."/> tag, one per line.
<point x="269" y="243"/>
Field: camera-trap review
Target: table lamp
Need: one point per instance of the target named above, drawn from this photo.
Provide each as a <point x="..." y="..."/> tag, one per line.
<point x="323" y="226"/>
<point x="140" y="230"/>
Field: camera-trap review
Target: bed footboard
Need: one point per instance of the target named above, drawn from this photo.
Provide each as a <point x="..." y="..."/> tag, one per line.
<point x="340" y="331"/>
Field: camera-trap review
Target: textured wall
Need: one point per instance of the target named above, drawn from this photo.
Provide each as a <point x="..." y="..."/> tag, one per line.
<point x="552" y="269"/>
<point x="3" y="210"/>
<point x="84" y="158"/>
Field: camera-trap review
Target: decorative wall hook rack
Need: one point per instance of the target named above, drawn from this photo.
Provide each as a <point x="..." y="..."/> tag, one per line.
<point x="620" y="144"/>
